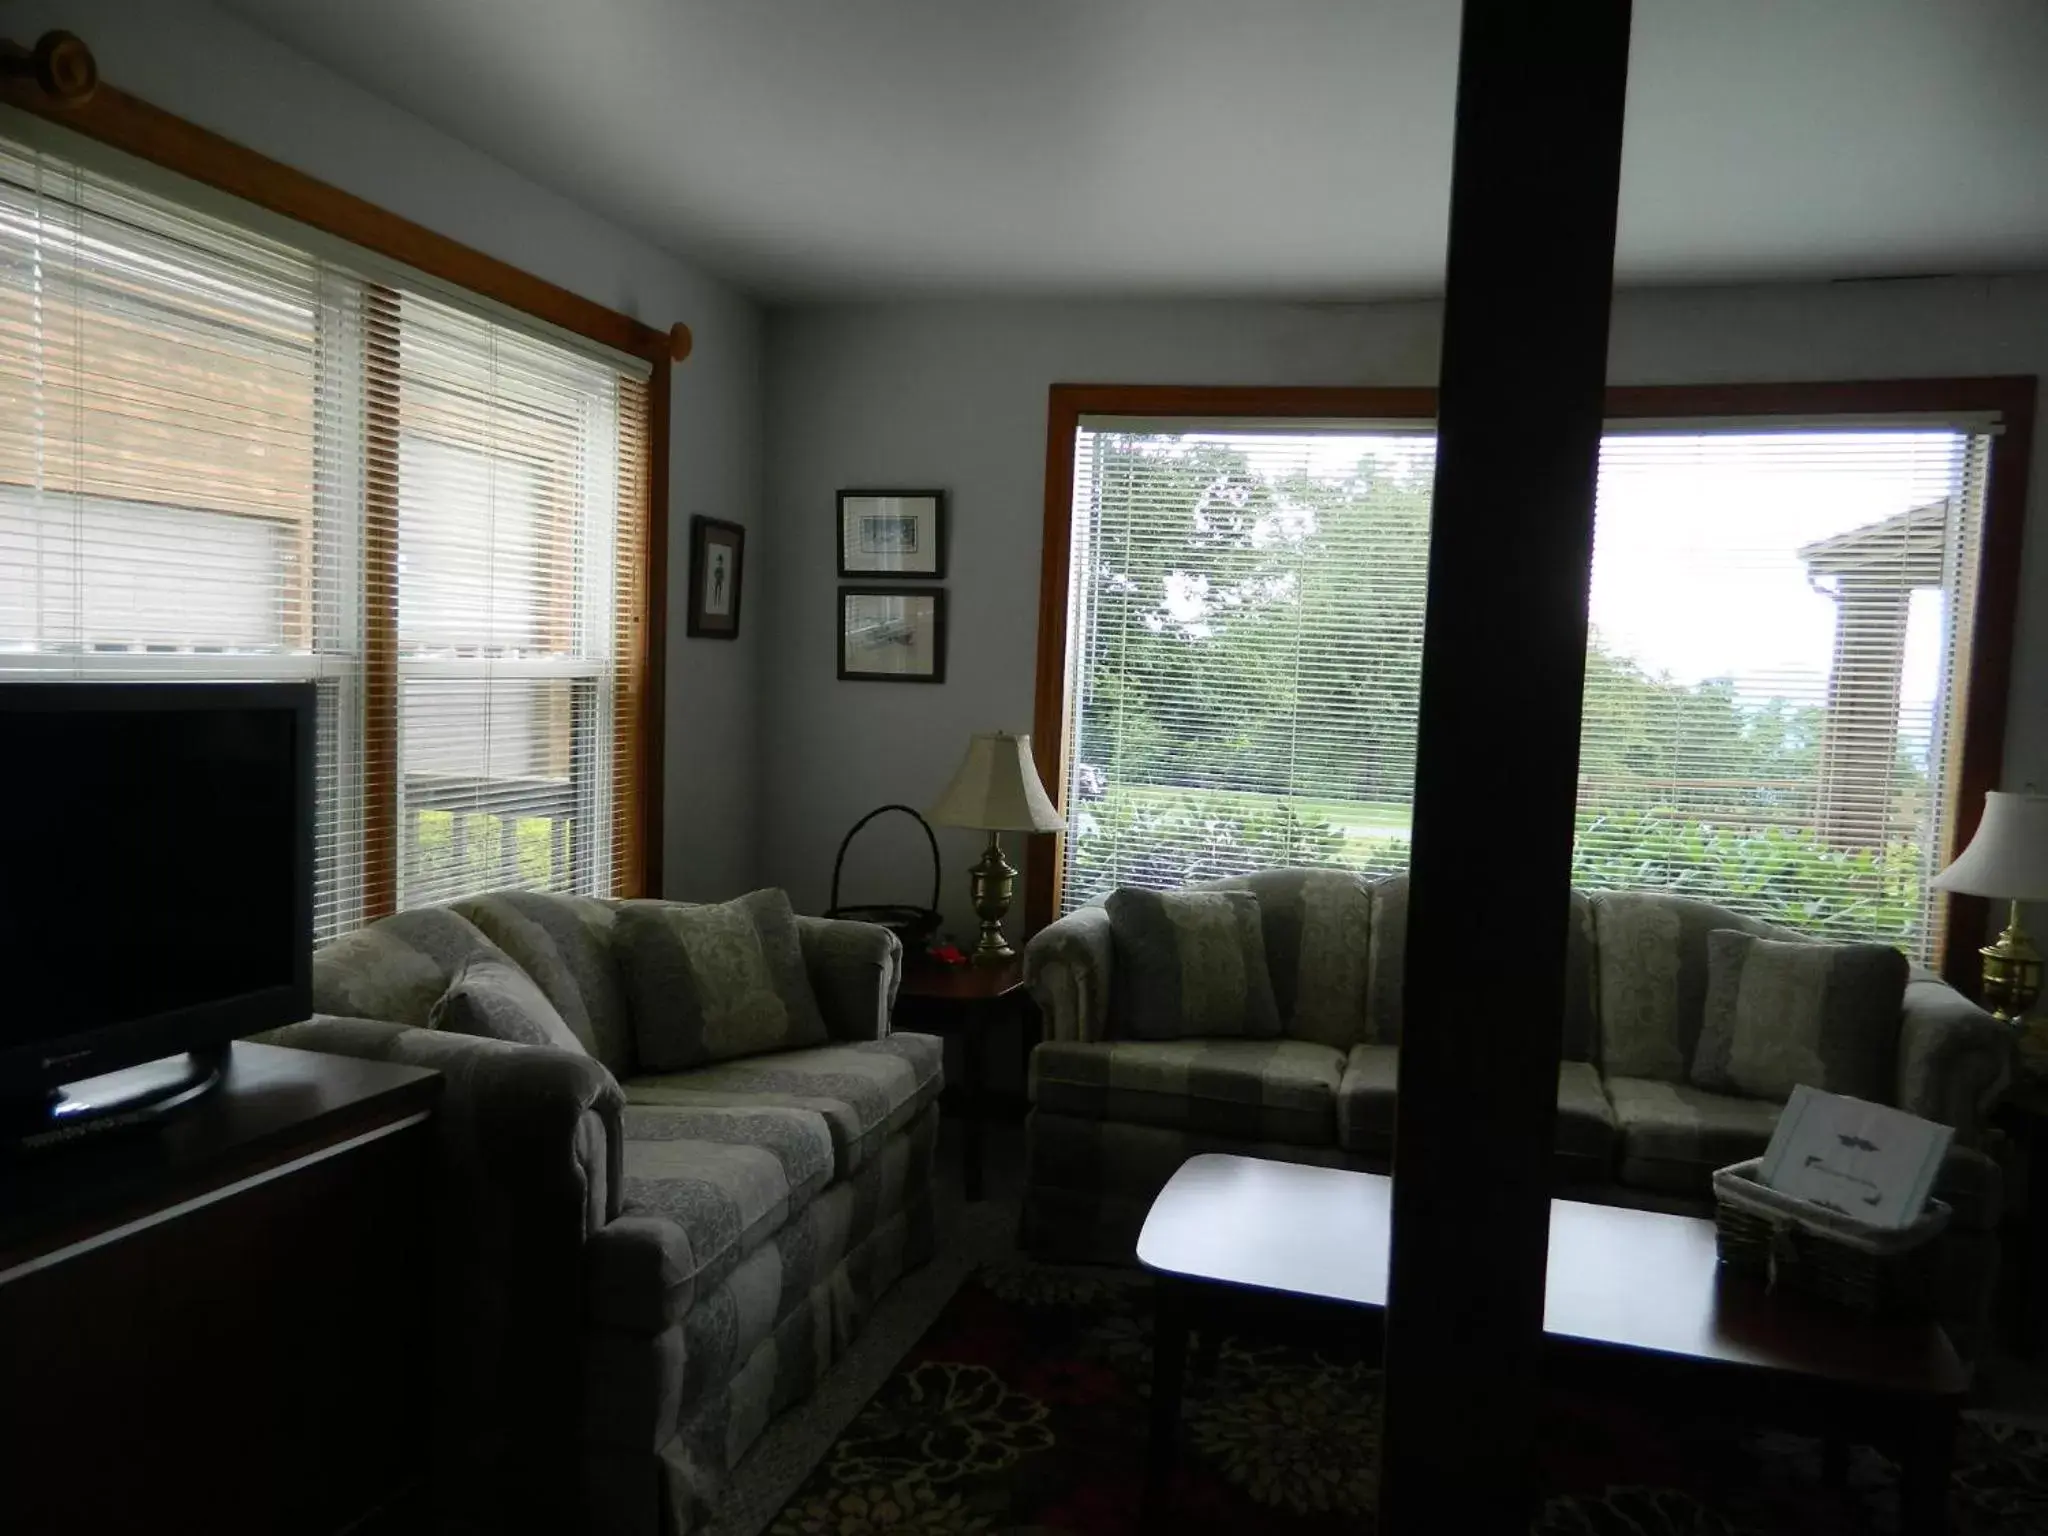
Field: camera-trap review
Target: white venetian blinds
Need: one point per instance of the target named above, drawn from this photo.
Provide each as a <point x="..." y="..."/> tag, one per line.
<point x="168" y="400"/>
<point x="509" y="479"/>
<point x="1246" y="610"/>
<point x="224" y="456"/>
<point x="1774" y="686"/>
<point x="1780" y="622"/>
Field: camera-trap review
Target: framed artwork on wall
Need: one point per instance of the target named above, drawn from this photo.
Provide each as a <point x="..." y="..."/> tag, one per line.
<point x="892" y="634"/>
<point x="716" y="550"/>
<point x="892" y="533"/>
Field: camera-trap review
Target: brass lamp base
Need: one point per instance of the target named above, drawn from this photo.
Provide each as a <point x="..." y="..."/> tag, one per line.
<point x="2012" y="972"/>
<point x="993" y="881"/>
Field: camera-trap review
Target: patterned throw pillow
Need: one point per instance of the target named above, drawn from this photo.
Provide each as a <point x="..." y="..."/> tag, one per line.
<point x="495" y="999"/>
<point x="1781" y="1014"/>
<point x="1190" y="963"/>
<point x="707" y="984"/>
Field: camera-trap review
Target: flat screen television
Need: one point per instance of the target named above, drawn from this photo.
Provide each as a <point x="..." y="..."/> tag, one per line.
<point x="156" y="877"/>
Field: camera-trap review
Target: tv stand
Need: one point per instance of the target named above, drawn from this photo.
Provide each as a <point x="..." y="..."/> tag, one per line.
<point x="133" y="1097"/>
<point x="225" y="1325"/>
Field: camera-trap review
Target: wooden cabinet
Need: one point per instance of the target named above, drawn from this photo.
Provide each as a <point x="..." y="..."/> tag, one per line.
<point x="224" y="1323"/>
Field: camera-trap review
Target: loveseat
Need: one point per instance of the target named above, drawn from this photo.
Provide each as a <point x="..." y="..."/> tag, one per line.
<point x="1112" y="1117"/>
<point x="637" y="1270"/>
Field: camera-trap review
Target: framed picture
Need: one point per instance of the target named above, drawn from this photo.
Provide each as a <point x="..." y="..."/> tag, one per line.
<point x="716" y="549"/>
<point x="892" y="634"/>
<point x="892" y="533"/>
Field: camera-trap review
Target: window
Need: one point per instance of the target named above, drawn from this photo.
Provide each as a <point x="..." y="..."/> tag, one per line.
<point x="226" y="456"/>
<point x="1776" y="681"/>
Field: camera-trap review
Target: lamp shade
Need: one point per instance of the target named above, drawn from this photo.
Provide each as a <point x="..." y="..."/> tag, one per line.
<point x="997" y="789"/>
<point x="2008" y="858"/>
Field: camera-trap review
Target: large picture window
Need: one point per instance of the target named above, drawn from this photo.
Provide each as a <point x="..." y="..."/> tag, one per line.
<point x="1777" y="675"/>
<point x="226" y="456"/>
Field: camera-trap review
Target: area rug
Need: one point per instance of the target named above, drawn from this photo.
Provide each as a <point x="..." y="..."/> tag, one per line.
<point x="1022" y="1412"/>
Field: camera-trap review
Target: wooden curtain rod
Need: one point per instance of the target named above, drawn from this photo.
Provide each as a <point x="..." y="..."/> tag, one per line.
<point x="59" y="80"/>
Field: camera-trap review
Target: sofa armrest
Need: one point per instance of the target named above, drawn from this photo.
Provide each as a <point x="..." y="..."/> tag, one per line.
<point x="1954" y="1058"/>
<point x="528" y="1168"/>
<point x="641" y="1274"/>
<point x="1067" y="967"/>
<point x="524" y="1122"/>
<point x="854" y="969"/>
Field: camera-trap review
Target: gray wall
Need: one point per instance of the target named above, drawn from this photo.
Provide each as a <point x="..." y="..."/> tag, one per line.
<point x="954" y="395"/>
<point x="217" y="71"/>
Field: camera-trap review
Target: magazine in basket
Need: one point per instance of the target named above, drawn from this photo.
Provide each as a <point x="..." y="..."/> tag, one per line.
<point x="1868" y="1161"/>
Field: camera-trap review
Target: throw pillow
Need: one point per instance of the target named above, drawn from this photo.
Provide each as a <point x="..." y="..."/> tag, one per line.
<point x="1190" y="963"/>
<point x="1316" y="924"/>
<point x="495" y="999"/>
<point x="1781" y="1014"/>
<point x="707" y="984"/>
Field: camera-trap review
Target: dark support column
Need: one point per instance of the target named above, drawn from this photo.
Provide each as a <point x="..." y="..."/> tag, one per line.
<point x="1530" y="269"/>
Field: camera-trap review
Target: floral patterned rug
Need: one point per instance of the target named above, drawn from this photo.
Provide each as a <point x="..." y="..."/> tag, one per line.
<point x="1022" y="1412"/>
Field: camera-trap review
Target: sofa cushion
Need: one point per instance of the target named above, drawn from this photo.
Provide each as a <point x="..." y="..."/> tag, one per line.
<point x="495" y="999"/>
<point x="1579" y="1039"/>
<point x="1188" y="964"/>
<point x="717" y="982"/>
<point x="1274" y="1090"/>
<point x="1673" y="1135"/>
<point x="728" y="1178"/>
<point x="397" y="968"/>
<point x="864" y="1089"/>
<point x="1653" y="978"/>
<point x="1366" y="1101"/>
<point x="1778" y="1015"/>
<point x="1317" y="926"/>
<point x="565" y="944"/>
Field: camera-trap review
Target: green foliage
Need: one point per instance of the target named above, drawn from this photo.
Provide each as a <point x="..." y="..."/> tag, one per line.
<point x="479" y="849"/>
<point x="1779" y="874"/>
<point x="1266" y="634"/>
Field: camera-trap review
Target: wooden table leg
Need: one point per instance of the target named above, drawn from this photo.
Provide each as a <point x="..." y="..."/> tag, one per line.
<point x="2033" y="1245"/>
<point x="974" y="1055"/>
<point x="1923" y="1480"/>
<point x="1169" y="1376"/>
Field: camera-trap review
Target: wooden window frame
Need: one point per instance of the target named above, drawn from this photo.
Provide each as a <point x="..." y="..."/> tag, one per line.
<point x="133" y="126"/>
<point x="2011" y="397"/>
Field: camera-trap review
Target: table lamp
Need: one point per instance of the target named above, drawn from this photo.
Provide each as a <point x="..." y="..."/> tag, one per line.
<point x="997" y="790"/>
<point x="2008" y="860"/>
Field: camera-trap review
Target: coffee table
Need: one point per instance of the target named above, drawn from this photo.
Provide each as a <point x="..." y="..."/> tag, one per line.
<point x="1636" y="1304"/>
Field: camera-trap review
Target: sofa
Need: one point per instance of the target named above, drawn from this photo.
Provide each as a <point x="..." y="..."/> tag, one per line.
<point x="636" y="1270"/>
<point x="1113" y="1117"/>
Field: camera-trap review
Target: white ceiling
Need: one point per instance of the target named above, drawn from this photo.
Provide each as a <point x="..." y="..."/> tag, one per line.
<point x="1297" y="148"/>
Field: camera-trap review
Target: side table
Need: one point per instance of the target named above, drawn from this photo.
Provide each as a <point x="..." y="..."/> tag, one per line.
<point x="2023" y="1116"/>
<point x="964" y="1001"/>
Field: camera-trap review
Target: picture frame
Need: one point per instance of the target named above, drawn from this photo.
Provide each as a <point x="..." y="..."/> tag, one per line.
<point x="717" y="567"/>
<point x="892" y="533"/>
<point x="892" y="634"/>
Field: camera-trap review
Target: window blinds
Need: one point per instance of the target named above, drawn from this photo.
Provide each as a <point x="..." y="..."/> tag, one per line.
<point x="1773" y="711"/>
<point x="507" y="502"/>
<point x="223" y="457"/>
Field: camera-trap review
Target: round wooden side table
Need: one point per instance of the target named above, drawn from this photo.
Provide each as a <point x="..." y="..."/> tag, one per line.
<point x="964" y="1001"/>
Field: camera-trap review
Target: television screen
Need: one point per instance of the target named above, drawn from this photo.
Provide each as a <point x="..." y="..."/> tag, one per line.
<point x="155" y="883"/>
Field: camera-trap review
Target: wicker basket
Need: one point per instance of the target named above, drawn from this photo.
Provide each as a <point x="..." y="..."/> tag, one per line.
<point x="1795" y="1244"/>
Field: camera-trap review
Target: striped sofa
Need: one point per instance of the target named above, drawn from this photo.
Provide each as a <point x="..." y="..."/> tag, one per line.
<point x="1112" y="1118"/>
<point x="636" y="1271"/>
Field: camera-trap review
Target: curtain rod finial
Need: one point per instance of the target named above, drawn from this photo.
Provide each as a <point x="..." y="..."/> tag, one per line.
<point x="60" y="64"/>
<point x="679" y="341"/>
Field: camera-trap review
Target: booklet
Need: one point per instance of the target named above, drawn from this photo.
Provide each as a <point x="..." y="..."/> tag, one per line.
<point x="1869" y="1161"/>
